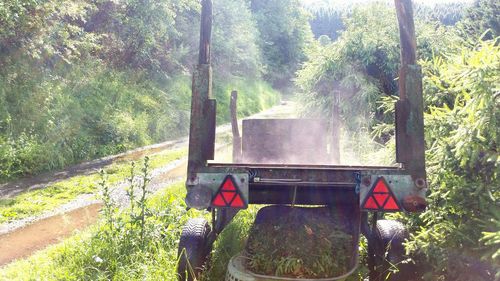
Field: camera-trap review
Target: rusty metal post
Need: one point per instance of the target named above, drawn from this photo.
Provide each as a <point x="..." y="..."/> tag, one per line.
<point x="410" y="143"/>
<point x="205" y="32"/>
<point x="335" y="141"/>
<point x="234" y="126"/>
<point x="203" y="106"/>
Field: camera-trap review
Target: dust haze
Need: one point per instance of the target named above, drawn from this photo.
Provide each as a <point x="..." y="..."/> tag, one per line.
<point x="287" y="135"/>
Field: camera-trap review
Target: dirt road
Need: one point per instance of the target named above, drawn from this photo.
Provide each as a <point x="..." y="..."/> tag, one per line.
<point x="25" y="241"/>
<point x="22" y="238"/>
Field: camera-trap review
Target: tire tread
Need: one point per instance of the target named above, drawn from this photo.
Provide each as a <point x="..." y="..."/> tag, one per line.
<point x="194" y="239"/>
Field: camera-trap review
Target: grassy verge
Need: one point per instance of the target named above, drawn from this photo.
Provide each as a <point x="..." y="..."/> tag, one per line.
<point x="105" y="253"/>
<point x="254" y="96"/>
<point x="38" y="201"/>
<point x="115" y="248"/>
<point x="104" y="114"/>
<point x="116" y="251"/>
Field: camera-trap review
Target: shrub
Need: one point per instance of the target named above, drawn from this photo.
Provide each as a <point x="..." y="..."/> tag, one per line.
<point x="455" y="235"/>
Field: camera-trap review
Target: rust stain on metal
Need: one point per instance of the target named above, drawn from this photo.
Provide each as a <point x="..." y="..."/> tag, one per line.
<point x="410" y="143"/>
<point x="414" y="204"/>
<point x="237" y="157"/>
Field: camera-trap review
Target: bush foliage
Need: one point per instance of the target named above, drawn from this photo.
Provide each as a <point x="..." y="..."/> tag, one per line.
<point x="457" y="237"/>
<point x="459" y="233"/>
<point x="82" y="79"/>
<point x="85" y="79"/>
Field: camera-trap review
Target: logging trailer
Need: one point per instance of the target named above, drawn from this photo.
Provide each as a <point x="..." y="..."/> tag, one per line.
<point x="254" y="177"/>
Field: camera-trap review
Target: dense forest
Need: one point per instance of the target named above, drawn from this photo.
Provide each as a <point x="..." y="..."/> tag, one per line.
<point x="82" y="79"/>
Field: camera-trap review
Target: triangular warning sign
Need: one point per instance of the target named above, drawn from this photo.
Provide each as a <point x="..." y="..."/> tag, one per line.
<point x="229" y="195"/>
<point x="381" y="198"/>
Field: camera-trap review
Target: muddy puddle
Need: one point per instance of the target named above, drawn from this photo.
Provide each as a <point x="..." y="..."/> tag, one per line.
<point x="23" y="242"/>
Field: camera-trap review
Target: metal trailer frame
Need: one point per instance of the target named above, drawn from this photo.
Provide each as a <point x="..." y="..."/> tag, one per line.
<point x="306" y="184"/>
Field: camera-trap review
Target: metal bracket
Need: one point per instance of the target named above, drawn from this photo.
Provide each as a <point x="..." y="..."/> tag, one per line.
<point x="203" y="186"/>
<point x="357" y="178"/>
<point x="403" y="187"/>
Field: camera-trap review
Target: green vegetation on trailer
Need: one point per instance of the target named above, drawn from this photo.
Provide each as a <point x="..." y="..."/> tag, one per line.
<point x="300" y="244"/>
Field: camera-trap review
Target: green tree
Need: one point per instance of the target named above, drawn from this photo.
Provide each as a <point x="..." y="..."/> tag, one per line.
<point x="327" y="21"/>
<point x="235" y="41"/>
<point x="483" y="16"/>
<point x="444" y="13"/>
<point x="285" y="34"/>
<point x="144" y="34"/>
<point x="362" y="65"/>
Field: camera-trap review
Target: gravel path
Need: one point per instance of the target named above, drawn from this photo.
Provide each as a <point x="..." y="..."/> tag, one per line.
<point x="160" y="177"/>
<point x="21" y="238"/>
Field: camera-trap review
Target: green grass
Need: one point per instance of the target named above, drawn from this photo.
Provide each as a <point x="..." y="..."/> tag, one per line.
<point x="229" y="243"/>
<point x="101" y="253"/>
<point x="254" y="96"/>
<point x="89" y="255"/>
<point x="93" y="255"/>
<point x="35" y="202"/>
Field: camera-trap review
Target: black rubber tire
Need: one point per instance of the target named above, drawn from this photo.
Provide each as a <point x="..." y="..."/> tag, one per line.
<point x="194" y="249"/>
<point x="392" y="234"/>
<point x="388" y="250"/>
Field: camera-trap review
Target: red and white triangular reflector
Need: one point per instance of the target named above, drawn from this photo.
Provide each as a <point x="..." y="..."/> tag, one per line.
<point x="380" y="198"/>
<point x="228" y="195"/>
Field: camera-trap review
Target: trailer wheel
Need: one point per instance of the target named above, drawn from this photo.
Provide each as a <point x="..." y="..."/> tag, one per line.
<point x="388" y="251"/>
<point x="194" y="249"/>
